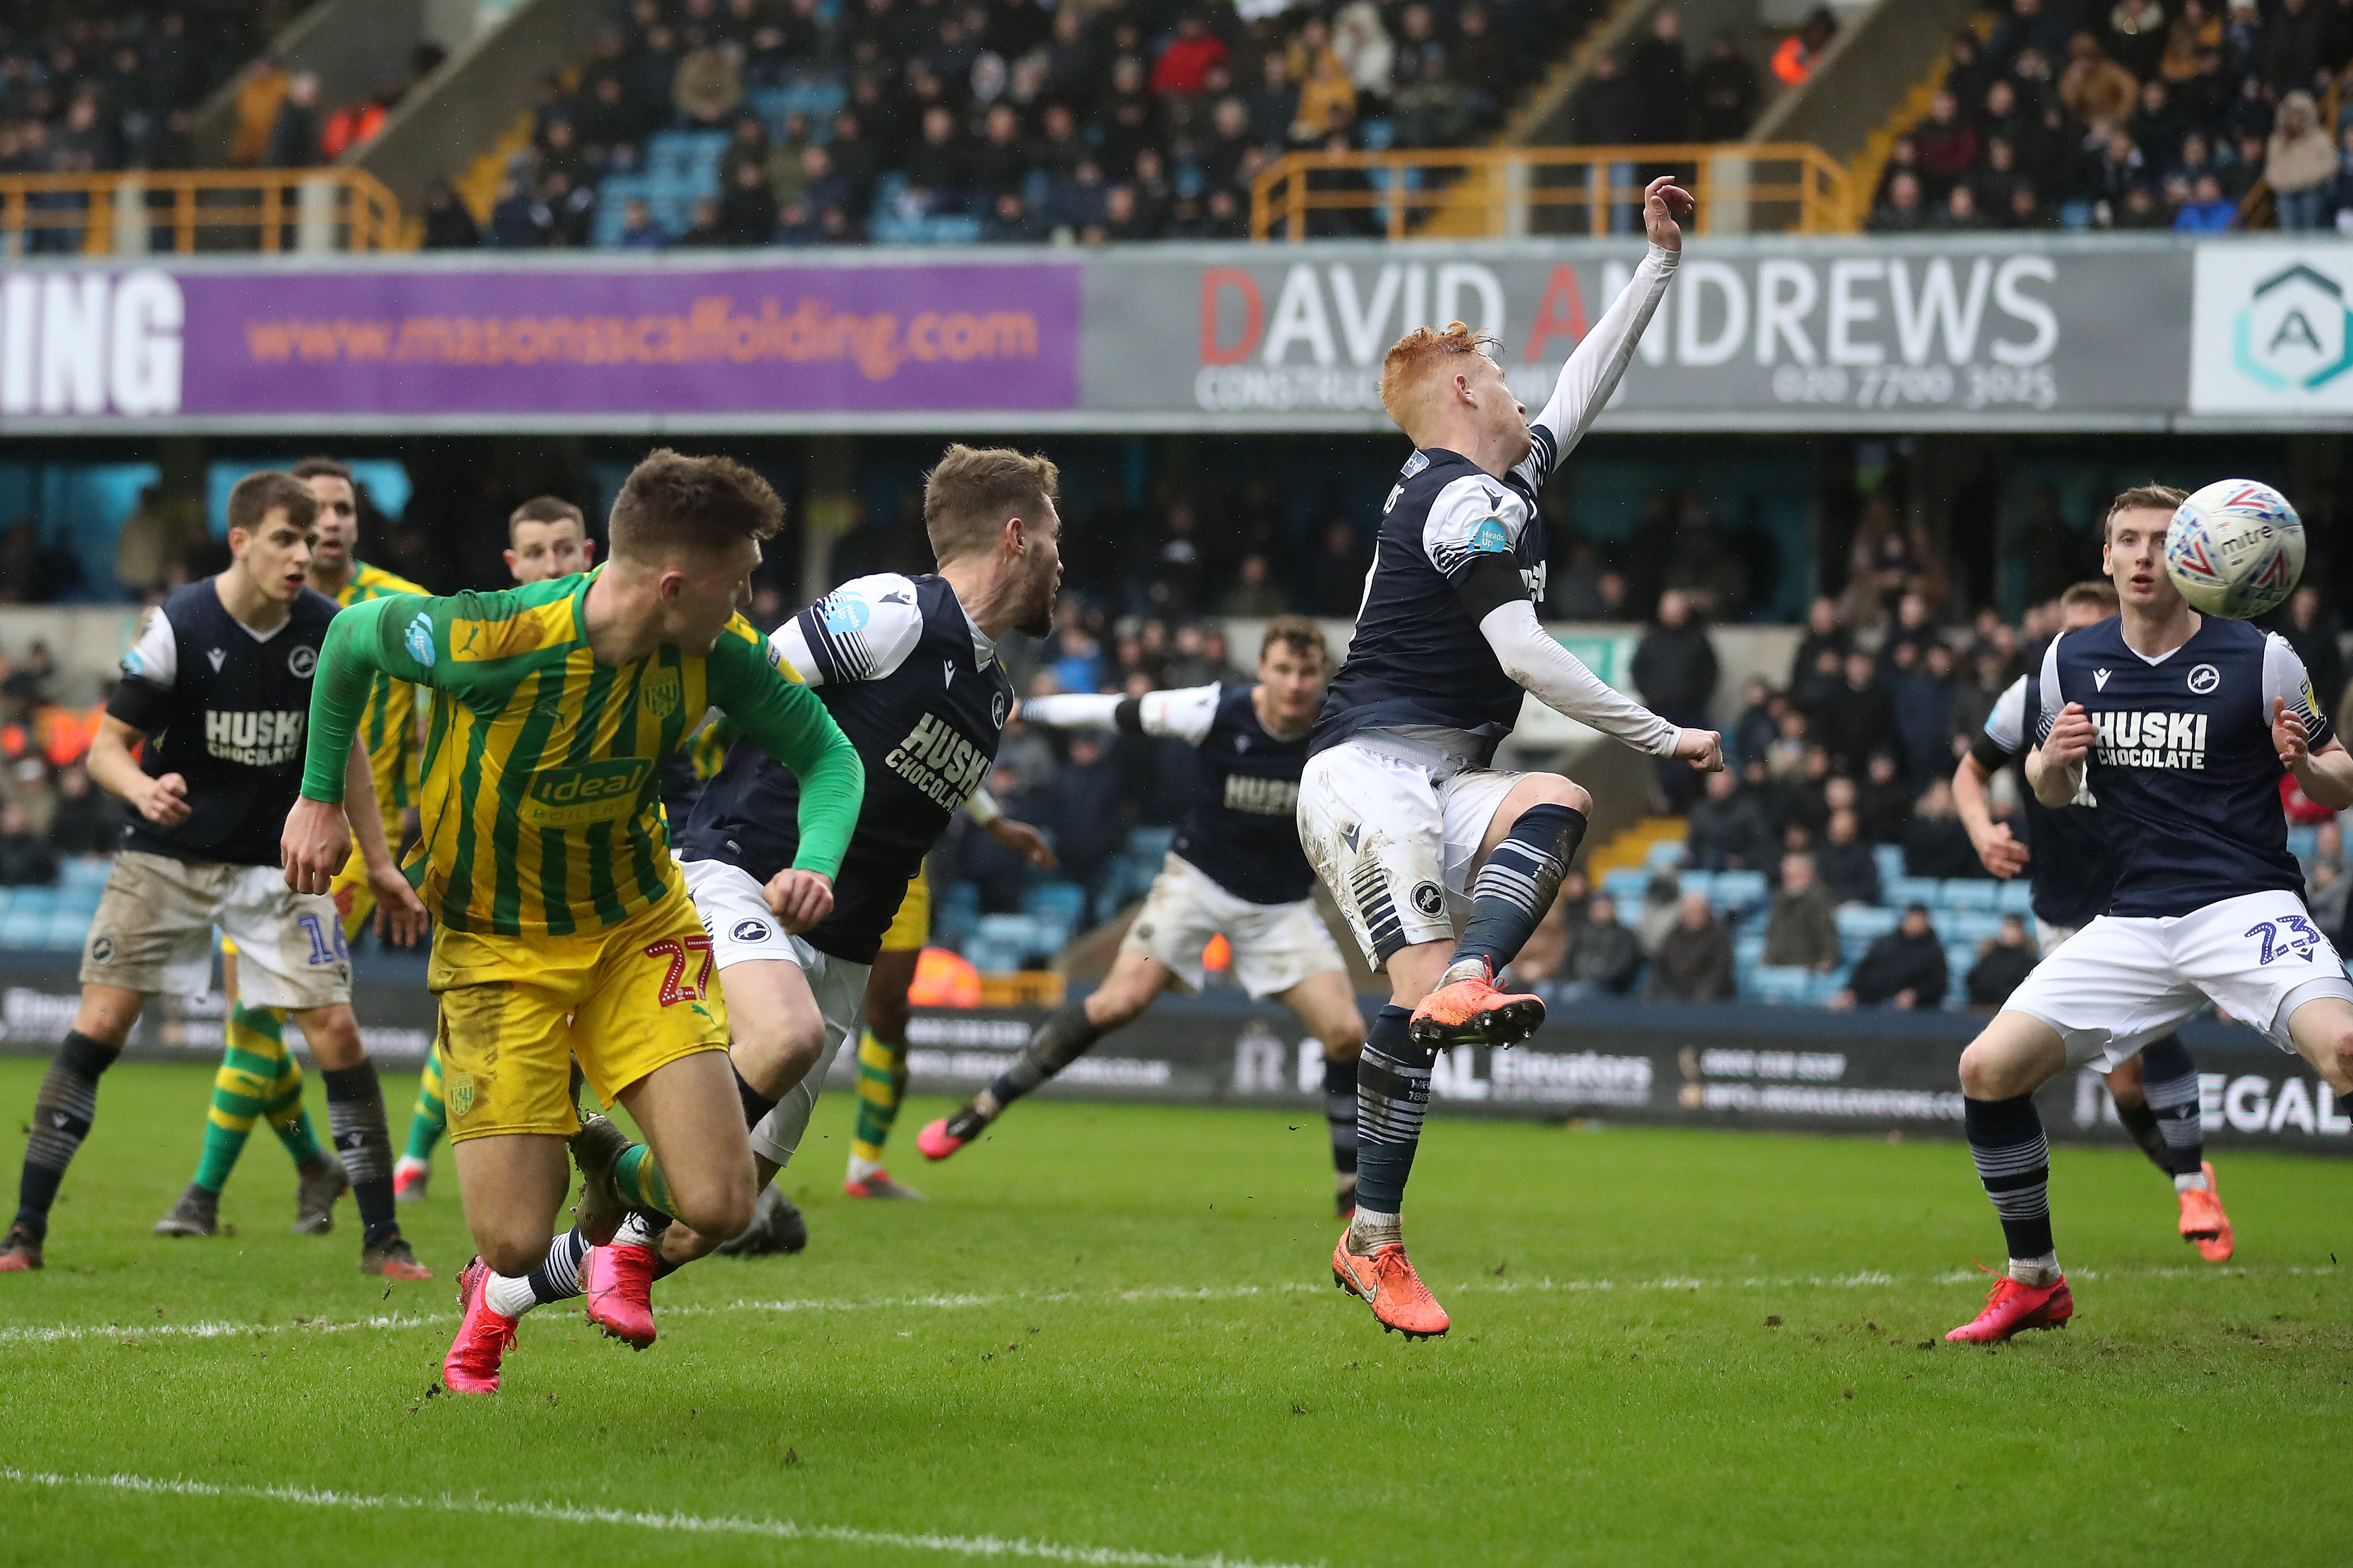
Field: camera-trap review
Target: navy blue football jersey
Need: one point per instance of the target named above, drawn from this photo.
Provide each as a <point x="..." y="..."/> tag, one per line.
<point x="2073" y="871"/>
<point x="229" y="709"/>
<point x="1418" y="662"/>
<point x="920" y="694"/>
<point x="1242" y="829"/>
<point x="2183" y="768"/>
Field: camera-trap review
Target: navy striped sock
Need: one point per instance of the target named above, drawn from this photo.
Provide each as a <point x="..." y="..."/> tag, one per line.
<point x="2169" y="1081"/>
<point x="1517" y="884"/>
<point x="1392" y="1094"/>
<point x="1340" y="1114"/>
<point x="2013" y="1161"/>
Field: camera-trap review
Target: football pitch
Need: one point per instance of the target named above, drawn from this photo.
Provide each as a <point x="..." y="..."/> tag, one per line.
<point x="1111" y="1337"/>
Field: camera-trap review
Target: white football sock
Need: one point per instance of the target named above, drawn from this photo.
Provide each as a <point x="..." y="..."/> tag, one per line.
<point x="1369" y="1231"/>
<point x="859" y="1169"/>
<point x="2035" y="1271"/>
<point x="2195" y="1182"/>
<point x="509" y="1297"/>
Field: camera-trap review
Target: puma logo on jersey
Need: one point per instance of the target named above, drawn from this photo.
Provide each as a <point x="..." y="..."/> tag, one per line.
<point x="2100" y="679"/>
<point x="2136" y="740"/>
<point x="255" y="740"/>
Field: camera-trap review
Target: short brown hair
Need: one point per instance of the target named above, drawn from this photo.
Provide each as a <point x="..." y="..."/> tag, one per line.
<point x="546" y="509"/>
<point x="1296" y="632"/>
<point x="258" y="495"/>
<point x="2091" y="591"/>
<point x="672" y="502"/>
<point x="323" y="469"/>
<point x="2151" y="497"/>
<point x="1410" y="354"/>
<point x="973" y="489"/>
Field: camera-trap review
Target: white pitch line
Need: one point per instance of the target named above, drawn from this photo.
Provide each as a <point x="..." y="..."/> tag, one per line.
<point x="1866" y="1280"/>
<point x="685" y="1523"/>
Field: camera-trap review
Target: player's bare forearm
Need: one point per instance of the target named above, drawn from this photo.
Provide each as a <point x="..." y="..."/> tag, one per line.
<point x="109" y="764"/>
<point x="2054" y="769"/>
<point x="1973" y="803"/>
<point x="2326" y="777"/>
<point x="2055" y="784"/>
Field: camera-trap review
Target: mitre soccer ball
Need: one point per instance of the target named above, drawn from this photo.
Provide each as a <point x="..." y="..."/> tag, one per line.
<point x="2235" y="548"/>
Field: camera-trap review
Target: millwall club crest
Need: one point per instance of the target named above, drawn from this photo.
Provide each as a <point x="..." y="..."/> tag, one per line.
<point x="659" y="693"/>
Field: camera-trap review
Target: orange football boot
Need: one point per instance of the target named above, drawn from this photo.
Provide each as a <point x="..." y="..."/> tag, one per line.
<point x="2011" y="1308"/>
<point x="1387" y="1281"/>
<point x="2203" y="1221"/>
<point x="1472" y="1012"/>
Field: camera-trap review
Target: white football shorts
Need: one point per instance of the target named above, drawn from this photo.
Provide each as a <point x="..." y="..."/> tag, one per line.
<point x="152" y="934"/>
<point x="743" y="929"/>
<point x="1395" y="841"/>
<point x="1275" y="946"/>
<point x="2121" y="981"/>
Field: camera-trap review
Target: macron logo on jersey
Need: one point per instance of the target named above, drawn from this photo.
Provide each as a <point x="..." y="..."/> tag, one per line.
<point x="2100" y="679"/>
<point x="2136" y="740"/>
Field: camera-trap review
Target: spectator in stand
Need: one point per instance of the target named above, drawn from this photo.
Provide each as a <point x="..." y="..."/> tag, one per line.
<point x="1882" y="801"/>
<point x="514" y="224"/>
<point x="447" y="225"/>
<point x="747" y="209"/>
<point x="1959" y="214"/>
<point x="1947" y="144"/>
<point x="2208" y="210"/>
<point x="1675" y="668"/>
<point x="1729" y="829"/>
<point x="1693" y="961"/>
<point x="706" y="88"/>
<point x="294" y="133"/>
<point x="1903" y="969"/>
<point x="1849" y="871"/>
<point x="1661" y="894"/>
<point x="1904" y="211"/>
<point x="1660" y="71"/>
<point x="1254" y="594"/>
<point x="706" y="233"/>
<point x="1725" y="88"/>
<point x="1079" y="806"/>
<point x="2314" y="632"/>
<point x="1604" y="958"/>
<point x="1761" y="707"/>
<point x="86" y="823"/>
<point x="2002" y="965"/>
<point x="2294" y="36"/>
<point x="2095" y="89"/>
<point x="638" y="229"/>
<point x="1800" y="927"/>
<point x="26" y="858"/>
<point x="1337" y="581"/>
<point x="2300" y="165"/>
<point x="1936" y="844"/>
<point x="1859" y="717"/>
<point x="1184" y="66"/>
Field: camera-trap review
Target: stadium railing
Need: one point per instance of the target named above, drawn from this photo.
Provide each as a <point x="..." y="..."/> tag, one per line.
<point x="182" y="211"/>
<point x="1511" y="192"/>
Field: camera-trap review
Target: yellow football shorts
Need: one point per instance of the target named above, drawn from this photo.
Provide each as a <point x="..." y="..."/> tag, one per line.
<point x="516" y="1009"/>
<point x="911" y="927"/>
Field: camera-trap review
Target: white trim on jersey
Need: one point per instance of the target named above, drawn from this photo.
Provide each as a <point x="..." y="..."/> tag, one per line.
<point x="1592" y="374"/>
<point x="2006" y="725"/>
<point x="1474" y="516"/>
<point x="154" y="656"/>
<point x="2285" y="677"/>
<point x="1558" y="678"/>
<point x="875" y="624"/>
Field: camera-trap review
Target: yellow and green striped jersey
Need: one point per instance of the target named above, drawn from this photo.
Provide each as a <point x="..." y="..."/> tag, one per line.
<point x="389" y="727"/>
<point x="540" y="791"/>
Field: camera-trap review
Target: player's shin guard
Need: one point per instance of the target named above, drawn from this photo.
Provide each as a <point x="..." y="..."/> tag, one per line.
<point x="881" y="1090"/>
<point x="1517" y="885"/>
<point x="2013" y="1161"/>
<point x="62" y="1113"/>
<point x="355" y="1118"/>
<point x="1340" y="1115"/>
<point x="1060" y="1041"/>
<point x="2169" y="1081"/>
<point x="1392" y="1094"/>
<point x="429" y="1118"/>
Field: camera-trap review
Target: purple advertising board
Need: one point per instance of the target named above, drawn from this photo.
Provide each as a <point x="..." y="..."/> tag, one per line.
<point x="785" y="340"/>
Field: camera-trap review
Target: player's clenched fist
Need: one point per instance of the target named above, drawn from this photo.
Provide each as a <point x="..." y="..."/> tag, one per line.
<point x="1703" y="748"/>
<point x="800" y="899"/>
<point x="2070" y="737"/>
<point x="316" y="843"/>
<point x="165" y="801"/>
<point x="2289" y="737"/>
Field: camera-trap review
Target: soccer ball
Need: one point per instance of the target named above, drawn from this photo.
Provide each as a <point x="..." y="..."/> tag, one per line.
<point x="2235" y="548"/>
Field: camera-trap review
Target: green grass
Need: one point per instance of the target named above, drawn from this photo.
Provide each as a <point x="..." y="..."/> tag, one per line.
<point x="1669" y="1347"/>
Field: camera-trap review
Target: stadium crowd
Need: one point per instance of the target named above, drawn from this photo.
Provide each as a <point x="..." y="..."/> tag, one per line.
<point x="1006" y="120"/>
<point x="2135" y="115"/>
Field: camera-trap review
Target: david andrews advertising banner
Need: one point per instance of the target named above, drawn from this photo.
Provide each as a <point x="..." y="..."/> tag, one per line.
<point x="1979" y="333"/>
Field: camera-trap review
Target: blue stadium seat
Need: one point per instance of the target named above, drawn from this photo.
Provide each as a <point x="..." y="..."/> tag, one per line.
<point x="1666" y="854"/>
<point x="611" y="195"/>
<point x="1971" y="926"/>
<point x="1150" y="843"/>
<point x="2016" y="897"/>
<point x="1740" y="891"/>
<point x="1780" y="984"/>
<point x="1865" y="921"/>
<point x="1905" y="890"/>
<point x="1748" y="951"/>
<point x="37" y="903"/>
<point x="820" y="100"/>
<point x="1820" y="988"/>
<point x="2304" y="840"/>
<point x="24" y="931"/>
<point x="1062" y="903"/>
<point x="85" y="872"/>
<point x="68" y="929"/>
<point x="1960" y="958"/>
<point x="1700" y="883"/>
<point x="1626" y="886"/>
<point x="1890" y="860"/>
<point x="1969" y="893"/>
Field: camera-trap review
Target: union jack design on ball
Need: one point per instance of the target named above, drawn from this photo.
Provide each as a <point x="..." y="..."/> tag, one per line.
<point x="2235" y="548"/>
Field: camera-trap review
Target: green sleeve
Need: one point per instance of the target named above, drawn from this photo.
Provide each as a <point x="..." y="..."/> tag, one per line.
<point x="360" y="645"/>
<point x="785" y="720"/>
